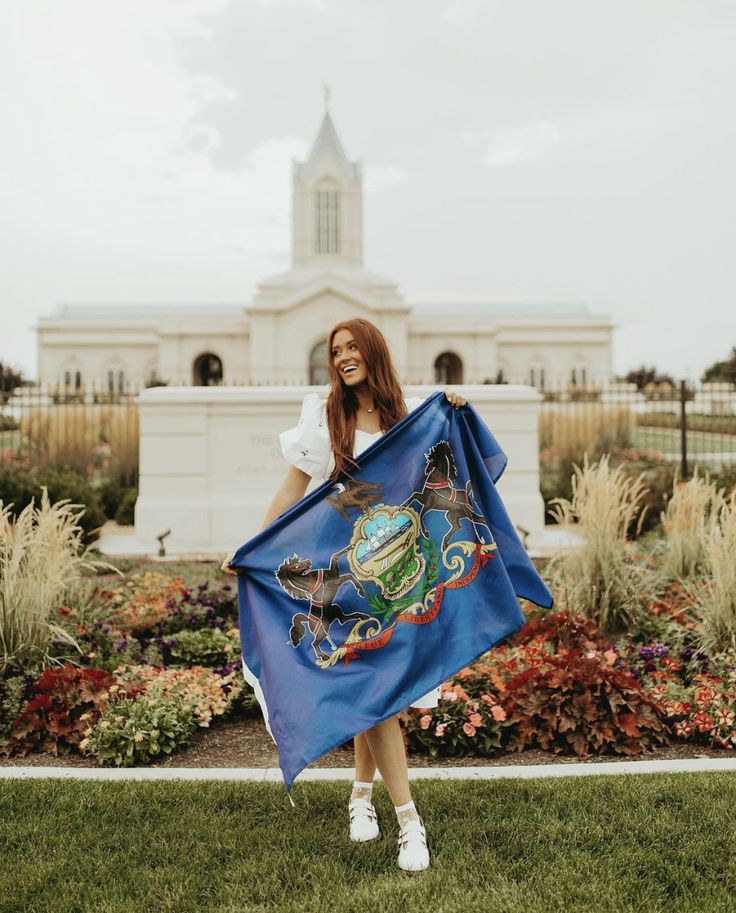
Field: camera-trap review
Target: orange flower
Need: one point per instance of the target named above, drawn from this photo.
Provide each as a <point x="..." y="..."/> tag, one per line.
<point x="469" y="729"/>
<point x="476" y="719"/>
<point x="498" y="713"/>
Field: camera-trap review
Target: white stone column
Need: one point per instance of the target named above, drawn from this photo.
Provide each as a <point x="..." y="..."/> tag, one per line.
<point x="210" y="460"/>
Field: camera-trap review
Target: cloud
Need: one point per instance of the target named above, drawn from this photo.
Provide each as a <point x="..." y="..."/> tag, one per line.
<point x="514" y="145"/>
<point x="382" y="177"/>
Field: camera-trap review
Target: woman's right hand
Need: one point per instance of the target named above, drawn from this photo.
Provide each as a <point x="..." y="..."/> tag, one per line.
<point x="225" y="566"/>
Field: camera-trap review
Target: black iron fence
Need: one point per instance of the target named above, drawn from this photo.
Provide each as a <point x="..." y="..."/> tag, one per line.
<point x="94" y="431"/>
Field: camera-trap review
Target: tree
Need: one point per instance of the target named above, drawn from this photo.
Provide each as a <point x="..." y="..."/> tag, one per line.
<point x="10" y="378"/>
<point x="722" y="370"/>
<point x="643" y="376"/>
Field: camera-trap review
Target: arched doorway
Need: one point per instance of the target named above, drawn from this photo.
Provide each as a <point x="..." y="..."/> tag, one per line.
<point x="318" y="364"/>
<point x="448" y="369"/>
<point x="207" y="370"/>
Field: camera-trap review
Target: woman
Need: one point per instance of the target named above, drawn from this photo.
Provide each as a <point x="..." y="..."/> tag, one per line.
<point x="365" y="399"/>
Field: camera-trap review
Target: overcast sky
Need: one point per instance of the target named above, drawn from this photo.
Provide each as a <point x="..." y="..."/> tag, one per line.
<point x="536" y="151"/>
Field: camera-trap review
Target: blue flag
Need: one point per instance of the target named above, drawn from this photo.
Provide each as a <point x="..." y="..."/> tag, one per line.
<point x="373" y="590"/>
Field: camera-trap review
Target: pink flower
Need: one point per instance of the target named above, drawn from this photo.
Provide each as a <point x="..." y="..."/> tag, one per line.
<point x="425" y="721"/>
<point x="469" y="729"/>
<point x="449" y="696"/>
<point x="498" y="713"/>
<point x="476" y="719"/>
<point x="440" y="730"/>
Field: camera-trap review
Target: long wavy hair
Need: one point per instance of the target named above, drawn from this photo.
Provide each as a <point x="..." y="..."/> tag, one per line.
<point x="342" y="403"/>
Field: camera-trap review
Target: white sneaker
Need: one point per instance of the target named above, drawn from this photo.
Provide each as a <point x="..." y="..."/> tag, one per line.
<point x="363" y="820"/>
<point x="413" y="852"/>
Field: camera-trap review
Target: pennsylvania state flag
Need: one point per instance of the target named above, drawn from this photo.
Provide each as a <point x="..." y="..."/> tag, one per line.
<point x="372" y="590"/>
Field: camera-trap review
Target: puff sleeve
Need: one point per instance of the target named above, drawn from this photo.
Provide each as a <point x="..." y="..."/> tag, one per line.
<point x="307" y="445"/>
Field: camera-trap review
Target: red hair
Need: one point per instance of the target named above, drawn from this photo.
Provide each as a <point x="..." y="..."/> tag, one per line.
<point x="342" y="403"/>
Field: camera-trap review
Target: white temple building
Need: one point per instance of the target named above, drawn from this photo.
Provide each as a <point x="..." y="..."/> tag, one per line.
<point x="279" y="337"/>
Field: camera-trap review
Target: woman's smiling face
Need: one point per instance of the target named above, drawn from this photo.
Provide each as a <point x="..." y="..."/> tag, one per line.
<point x="347" y="359"/>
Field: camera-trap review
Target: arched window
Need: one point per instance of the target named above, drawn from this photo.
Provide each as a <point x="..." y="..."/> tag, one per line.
<point x="536" y="378"/>
<point x="327" y="221"/>
<point x="207" y="370"/>
<point x="448" y="369"/>
<point x="115" y="381"/>
<point x="318" y="364"/>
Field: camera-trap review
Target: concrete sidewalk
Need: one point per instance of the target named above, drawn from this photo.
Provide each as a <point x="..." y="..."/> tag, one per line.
<point x="273" y="774"/>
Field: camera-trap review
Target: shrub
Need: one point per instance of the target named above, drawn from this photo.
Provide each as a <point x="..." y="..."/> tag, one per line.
<point x="14" y="694"/>
<point x="125" y="514"/>
<point x="206" y="647"/>
<point x="577" y="702"/>
<point x="19" y="487"/>
<point x="207" y="693"/>
<point x="66" y="485"/>
<point x="137" y="731"/>
<point x="110" y="493"/>
<point x="41" y="560"/>
<point x="144" y="600"/>
<point x="461" y="724"/>
<point x="85" y="438"/>
<point x="599" y="580"/>
<point x="62" y="705"/>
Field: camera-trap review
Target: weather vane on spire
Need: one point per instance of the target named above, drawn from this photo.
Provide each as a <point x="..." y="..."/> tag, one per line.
<point x="326" y="89"/>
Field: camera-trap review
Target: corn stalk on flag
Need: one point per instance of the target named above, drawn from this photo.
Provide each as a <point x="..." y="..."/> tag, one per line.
<point x="374" y="589"/>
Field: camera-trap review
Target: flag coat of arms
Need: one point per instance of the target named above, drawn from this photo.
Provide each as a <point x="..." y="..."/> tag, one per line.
<point x="375" y="588"/>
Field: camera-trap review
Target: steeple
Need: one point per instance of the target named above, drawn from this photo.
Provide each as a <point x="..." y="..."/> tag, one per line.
<point x="328" y="202"/>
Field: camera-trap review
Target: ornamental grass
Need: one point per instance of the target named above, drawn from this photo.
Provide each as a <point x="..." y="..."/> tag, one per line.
<point x="42" y="560"/>
<point x="86" y="438"/>
<point x="689" y="513"/>
<point x="714" y="595"/>
<point x="600" y="580"/>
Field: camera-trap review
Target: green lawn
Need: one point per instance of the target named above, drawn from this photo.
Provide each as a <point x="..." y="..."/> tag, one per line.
<point x="638" y="843"/>
<point x="667" y="440"/>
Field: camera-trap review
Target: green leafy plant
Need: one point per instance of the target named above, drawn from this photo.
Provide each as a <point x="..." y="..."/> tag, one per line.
<point x="137" y="731"/>
<point x="206" y="647"/>
<point x="580" y="704"/>
<point x="63" y="704"/>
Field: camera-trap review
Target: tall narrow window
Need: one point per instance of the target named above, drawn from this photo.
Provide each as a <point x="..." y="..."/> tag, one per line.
<point x="327" y="221"/>
<point x="318" y="364"/>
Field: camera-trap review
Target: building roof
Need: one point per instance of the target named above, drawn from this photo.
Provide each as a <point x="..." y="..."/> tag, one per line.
<point x="503" y="309"/>
<point x="139" y="312"/>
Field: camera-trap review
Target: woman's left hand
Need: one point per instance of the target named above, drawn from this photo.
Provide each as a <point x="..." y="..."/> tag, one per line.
<point x="455" y="398"/>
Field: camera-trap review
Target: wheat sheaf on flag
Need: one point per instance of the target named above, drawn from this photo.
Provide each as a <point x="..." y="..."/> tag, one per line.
<point x="376" y="588"/>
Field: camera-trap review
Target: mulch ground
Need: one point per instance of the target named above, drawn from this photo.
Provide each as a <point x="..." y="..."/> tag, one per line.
<point x="244" y="742"/>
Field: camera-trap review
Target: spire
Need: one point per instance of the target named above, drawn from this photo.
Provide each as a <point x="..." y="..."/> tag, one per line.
<point x="327" y="212"/>
<point x="327" y="144"/>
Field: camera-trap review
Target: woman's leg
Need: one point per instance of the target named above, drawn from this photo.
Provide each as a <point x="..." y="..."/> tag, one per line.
<point x="365" y="766"/>
<point x="386" y="746"/>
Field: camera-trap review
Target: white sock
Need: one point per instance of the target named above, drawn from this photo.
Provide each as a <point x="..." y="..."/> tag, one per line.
<point x="361" y="790"/>
<point x="406" y="813"/>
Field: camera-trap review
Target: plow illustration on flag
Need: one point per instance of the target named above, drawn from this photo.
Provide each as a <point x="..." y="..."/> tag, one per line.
<point x="372" y="590"/>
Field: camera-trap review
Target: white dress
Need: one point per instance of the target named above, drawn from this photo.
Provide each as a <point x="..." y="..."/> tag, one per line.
<point x="307" y="446"/>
